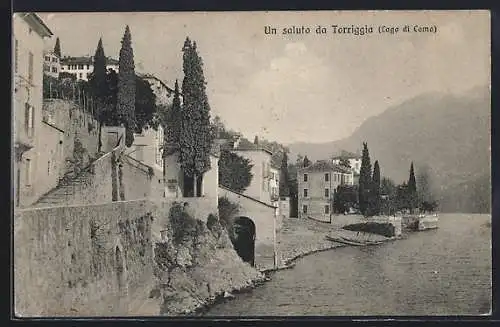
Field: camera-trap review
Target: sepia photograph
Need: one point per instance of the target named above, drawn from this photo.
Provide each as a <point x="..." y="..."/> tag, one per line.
<point x="251" y="164"/>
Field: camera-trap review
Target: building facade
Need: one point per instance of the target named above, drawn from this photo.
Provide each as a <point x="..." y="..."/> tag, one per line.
<point x="29" y="32"/>
<point x="82" y="67"/>
<point x="316" y="188"/>
<point x="51" y="64"/>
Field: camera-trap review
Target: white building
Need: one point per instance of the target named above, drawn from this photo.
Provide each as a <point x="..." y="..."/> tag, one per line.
<point x="354" y="161"/>
<point x="51" y="64"/>
<point x="29" y="32"/>
<point x="82" y="67"/>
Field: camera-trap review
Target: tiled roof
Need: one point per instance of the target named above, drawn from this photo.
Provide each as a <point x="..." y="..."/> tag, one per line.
<point x="324" y="165"/>
<point x="85" y="60"/>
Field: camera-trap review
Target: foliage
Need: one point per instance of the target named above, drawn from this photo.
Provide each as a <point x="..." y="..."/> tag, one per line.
<point x="344" y="162"/>
<point x="424" y="185"/>
<point x="375" y="203"/>
<point x="57" y="48"/>
<point x="402" y="198"/>
<point x="412" y="190"/>
<point x="384" y="229"/>
<point x="388" y="196"/>
<point x="365" y="180"/>
<point x="428" y="206"/>
<point x="173" y="118"/>
<point x="183" y="225"/>
<point x="306" y="162"/>
<point x="256" y="140"/>
<point x="126" y="87"/>
<point x="284" y="177"/>
<point x="345" y="197"/>
<point x="227" y="212"/>
<point x="235" y="172"/>
<point x="294" y="197"/>
<point x="77" y="162"/>
<point x="196" y="135"/>
<point x="145" y="106"/>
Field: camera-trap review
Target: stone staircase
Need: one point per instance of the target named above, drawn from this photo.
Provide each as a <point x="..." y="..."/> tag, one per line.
<point x="63" y="193"/>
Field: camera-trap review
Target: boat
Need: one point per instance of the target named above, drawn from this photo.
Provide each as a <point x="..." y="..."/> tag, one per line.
<point x="428" y="222"/>
<point x="347" y="241"/>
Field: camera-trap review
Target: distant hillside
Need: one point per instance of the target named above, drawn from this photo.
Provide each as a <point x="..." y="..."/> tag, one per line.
<point x="451" y="134"/>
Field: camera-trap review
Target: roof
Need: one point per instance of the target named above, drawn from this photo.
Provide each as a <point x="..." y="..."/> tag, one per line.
<point x="37" y="24"/>
<point x="324" y="166"/>
<point x="151" y="76"/>
<point x="85" y="60"/>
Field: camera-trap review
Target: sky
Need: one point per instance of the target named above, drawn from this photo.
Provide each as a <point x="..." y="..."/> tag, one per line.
<point x="296" y="88"/>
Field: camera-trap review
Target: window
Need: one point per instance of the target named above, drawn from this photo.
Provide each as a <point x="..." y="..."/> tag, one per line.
<point x="46" y="68"/>
<point x="54" y="59"/>
<point x="28" y="171"/>
<point x="54" y="69"/>
<point x="88" y="67"/>
<point x="30" y="67"/>
<point x="47" y="58"/>
<point x="327" y="209"/>
<point x="327" y="193"/>
<point x="29" y="119"/>
<point x="48" y="167"/>
<point x="80" y="66"/>
<point x="305" y="177"/>
<point x="16" y="54"/>
<point x="80" y="75"/>
<point x="304" y="208"/>
<point x="327" y="177"/>
<point x="305" y="193"/>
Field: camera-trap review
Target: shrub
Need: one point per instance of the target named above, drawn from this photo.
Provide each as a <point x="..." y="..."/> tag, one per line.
<point x="183" y="225"/>
<point x="212" y="222"/>
<point x="227" y="211"/>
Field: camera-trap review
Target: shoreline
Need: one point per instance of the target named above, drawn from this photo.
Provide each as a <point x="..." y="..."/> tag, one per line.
<point x="288" y="263"/>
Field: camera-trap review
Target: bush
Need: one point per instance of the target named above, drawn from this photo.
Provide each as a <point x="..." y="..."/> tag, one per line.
<point x="384" y="229"/>
<point x="183" y="225"/>
<point x="227" y="211"/>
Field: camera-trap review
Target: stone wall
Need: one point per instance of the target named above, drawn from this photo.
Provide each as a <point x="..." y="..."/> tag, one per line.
<point x="135" y="179"/>
<point x="81" y="260"/>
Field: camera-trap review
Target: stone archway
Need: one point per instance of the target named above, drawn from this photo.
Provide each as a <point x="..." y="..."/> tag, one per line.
<point x="244" y="239"/>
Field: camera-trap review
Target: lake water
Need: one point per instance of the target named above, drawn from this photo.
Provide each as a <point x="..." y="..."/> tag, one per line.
<point x="446" y="271"/>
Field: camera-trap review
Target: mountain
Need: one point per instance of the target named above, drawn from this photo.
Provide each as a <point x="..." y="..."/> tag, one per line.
<point x="450" y="134"/>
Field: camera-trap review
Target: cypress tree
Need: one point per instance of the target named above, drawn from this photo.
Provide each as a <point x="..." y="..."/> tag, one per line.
<point x="57" y="48"/>
<point x="174" y="119"/>
<point x="256" y="140"/>
<point x="376" y="188"/>
<point x="365" y="180"/>
<point x="196" y="135"/>
<point x="284" y="178"/>
<point x="126" y="87"/>
<point x="412" y="189"/>
<point x="306" y="162"/>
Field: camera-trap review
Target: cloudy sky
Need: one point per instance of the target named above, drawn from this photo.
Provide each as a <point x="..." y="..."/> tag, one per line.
<point x="288" y="88"/>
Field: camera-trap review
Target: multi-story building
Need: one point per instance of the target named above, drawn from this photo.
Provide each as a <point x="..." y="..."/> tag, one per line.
<point x="29" y="32"/>
<point x="354" y="162"/>
<point x="51" y="64"/>
<point x="82" y="67"/>
<point x="317" y="184"/>
<point x="260" y="187"/>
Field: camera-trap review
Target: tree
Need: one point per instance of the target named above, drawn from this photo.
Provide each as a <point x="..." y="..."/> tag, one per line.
<point x="424" y="185"/>
<point x="126" y="87"/>
<point x="57" y="48"/>
<point x="98" y="81"/>
<point x="299" y="162"/>
<point x="365" y="180"/>
<point x="235" y="172"/>
<point x="345" y="198"/>
<point x="402" y="199"/>
<point x="388" y="196"/>
<point x="173" y="119"/>
<point x="412" y="189"/>
<point x="284" y="177"/>
<point x="145" y="106"/>
<point x="196" y="135"/>
<point x="344" y="162"/>
<point x="256" y="140"/>
<point x="306" y="162"/>
<point x="376" y="188"/>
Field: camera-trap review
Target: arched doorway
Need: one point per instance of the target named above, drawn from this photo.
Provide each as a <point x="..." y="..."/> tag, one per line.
<point x="244" y="239"/>
<point x="119" y="267"/>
